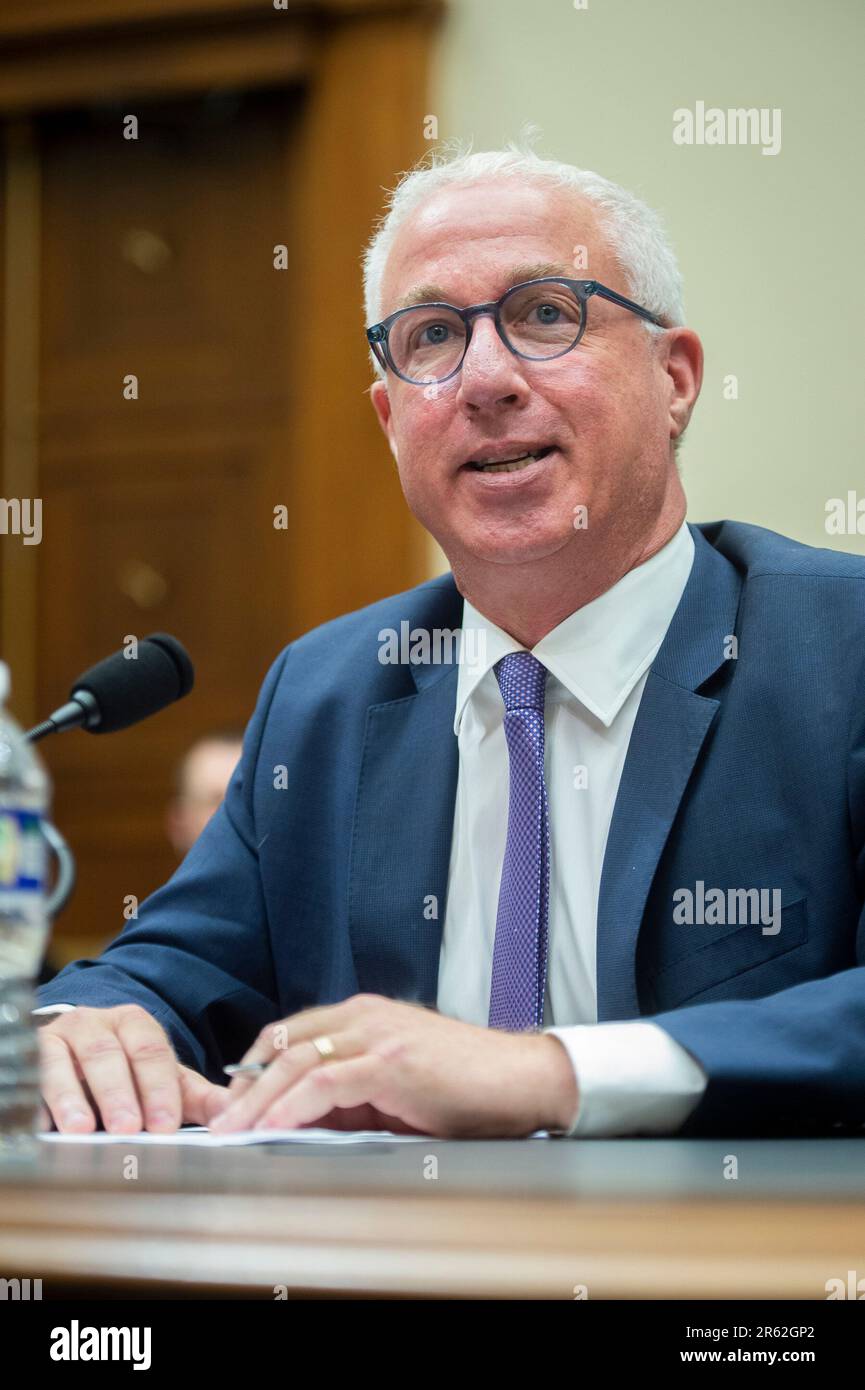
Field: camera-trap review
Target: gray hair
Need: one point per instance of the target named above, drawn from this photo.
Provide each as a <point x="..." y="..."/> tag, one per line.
<point x="636" y="232"/>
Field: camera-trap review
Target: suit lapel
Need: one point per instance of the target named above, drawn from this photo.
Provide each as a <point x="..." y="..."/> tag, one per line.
<point x="401" y="841"/>
<point x="671" y="725"/>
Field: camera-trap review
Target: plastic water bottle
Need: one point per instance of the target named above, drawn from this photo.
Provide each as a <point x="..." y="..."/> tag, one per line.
<point x="25" y="792"/>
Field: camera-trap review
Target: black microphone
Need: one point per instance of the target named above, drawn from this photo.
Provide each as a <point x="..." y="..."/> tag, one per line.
<point x="121" y="690"/>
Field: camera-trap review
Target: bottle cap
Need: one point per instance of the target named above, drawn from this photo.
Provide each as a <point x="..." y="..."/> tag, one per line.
<point x="4" y="682"/>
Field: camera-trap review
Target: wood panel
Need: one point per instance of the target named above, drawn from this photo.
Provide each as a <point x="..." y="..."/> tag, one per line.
<point x="157" y="261"/>
<point x="156" y="258"/>
<point x="191" y="530"/>
<point x="126" y="66"/>
<point x="26" y="18"/>
<point x="20" y="387"/>
<point x="29" y="18"/>
<point x="365" y="108"/>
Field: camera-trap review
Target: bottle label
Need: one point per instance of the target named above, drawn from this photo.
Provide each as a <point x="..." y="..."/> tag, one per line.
<point x="22" y="852"/>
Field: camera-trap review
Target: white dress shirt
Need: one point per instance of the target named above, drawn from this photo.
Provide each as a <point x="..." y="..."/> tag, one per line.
<point x="632" y="1077"/>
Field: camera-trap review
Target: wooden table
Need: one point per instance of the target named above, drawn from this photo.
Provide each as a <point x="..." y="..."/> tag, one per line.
<point x="532" y="1218"/>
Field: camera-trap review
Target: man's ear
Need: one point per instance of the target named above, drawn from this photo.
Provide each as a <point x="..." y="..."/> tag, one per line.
<point x="684" y="367"/>
<point x="381" y="403"/>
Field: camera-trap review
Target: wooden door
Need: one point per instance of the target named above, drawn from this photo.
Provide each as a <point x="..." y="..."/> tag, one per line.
<point x="171" y="380"/>
<point x="165" y="408"/>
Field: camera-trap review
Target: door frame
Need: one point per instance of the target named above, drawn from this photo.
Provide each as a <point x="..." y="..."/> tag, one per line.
<point x="363" y="68"/>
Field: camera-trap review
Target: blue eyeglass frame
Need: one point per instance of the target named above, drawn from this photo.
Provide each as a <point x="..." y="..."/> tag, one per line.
<point x="378" y="334"/>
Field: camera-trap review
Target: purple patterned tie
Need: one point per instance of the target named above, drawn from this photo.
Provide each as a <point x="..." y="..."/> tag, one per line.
<point x="520" y="953"/>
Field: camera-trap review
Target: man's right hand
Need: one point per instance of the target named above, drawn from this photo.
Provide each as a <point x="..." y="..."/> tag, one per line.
<point x="116" y="1067"/>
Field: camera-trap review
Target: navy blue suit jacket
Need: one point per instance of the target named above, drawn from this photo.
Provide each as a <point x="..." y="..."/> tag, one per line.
<point x="309" y="885"/>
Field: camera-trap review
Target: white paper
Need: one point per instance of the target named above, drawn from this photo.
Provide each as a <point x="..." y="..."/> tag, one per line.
<point x="202" y="1137"/>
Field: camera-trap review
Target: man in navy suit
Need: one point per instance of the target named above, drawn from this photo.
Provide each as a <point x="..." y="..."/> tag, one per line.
<point x="571" y="838"/>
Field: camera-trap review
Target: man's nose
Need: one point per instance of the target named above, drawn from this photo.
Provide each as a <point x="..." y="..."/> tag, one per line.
<point x="490" y="372"/>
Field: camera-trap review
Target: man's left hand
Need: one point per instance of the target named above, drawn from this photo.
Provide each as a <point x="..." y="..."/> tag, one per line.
<point x="405" y="1068"/>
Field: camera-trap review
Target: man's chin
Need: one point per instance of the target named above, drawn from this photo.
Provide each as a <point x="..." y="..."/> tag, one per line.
<point x="514" y="548"/>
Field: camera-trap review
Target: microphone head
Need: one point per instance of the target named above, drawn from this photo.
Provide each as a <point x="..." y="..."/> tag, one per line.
<point x="127" y="689"/>
<point x="180" y="659"/>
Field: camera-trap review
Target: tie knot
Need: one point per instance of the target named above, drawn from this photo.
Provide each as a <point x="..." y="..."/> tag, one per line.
<point x="521" y="679"/>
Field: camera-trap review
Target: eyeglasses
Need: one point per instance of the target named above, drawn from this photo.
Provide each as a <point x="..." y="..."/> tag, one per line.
<point x="537" y="320"/>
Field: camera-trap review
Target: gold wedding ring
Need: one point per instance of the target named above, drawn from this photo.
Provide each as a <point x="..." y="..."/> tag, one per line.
<point x="325" y="1047"/>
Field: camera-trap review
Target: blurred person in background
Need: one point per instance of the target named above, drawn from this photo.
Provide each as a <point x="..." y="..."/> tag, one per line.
<point x="201" y="779"/>
<point x="200" y="782"/>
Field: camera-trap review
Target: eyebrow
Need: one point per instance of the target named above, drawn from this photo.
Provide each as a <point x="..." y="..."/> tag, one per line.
<point x="432" y="294"/>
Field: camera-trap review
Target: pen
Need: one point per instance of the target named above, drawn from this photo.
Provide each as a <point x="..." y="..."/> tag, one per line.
<point x="244" y="1068"/>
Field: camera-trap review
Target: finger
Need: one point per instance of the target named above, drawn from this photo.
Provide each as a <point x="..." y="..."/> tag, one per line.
<point x="62" y="1092"/>
<point x="310" y="1023"/>
<point x="154" y="1068"/>
<point x="43" y="1120"/>
<point x="356" y="1081"/>
<point x="102" y="1058"/>
<point x="201" y="1100"/>
<point x="356" y="1117"/>
<point x="283" y="1072"/>
<point x="364" y="1116"/>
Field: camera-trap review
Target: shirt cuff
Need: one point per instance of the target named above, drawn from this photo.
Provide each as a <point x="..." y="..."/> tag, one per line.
<point x="53" y="1009"/>
<point x="632" y="1078"/>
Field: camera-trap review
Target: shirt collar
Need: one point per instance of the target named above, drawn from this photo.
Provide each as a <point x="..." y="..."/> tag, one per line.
<point x="599" y="652"/>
